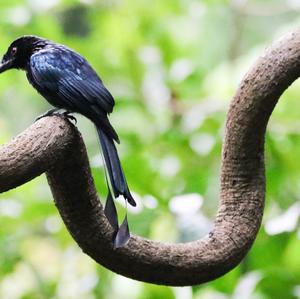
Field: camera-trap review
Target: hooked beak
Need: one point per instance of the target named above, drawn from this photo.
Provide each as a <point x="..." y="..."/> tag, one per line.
<point x="4" y="66"/>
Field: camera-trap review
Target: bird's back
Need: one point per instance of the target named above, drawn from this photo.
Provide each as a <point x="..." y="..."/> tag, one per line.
<point x="68" y="81"/>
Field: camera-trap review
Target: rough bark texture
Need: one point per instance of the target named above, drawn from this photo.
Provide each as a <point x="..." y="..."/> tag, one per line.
<point x="54" y="146"/>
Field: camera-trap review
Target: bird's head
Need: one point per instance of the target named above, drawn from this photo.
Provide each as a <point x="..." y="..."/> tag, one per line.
<point x="19" y="52"/>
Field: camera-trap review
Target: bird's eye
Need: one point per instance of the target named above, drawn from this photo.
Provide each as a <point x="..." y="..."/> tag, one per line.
<point x="14" y="50"/>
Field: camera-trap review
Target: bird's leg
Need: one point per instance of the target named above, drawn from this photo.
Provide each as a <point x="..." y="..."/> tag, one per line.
<point x="48" y="113"/>
<point x="58" y="112"/>
<point x="68" y="115"/>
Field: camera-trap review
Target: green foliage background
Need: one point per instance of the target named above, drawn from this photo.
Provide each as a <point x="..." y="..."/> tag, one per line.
<point x="173" y="67"/>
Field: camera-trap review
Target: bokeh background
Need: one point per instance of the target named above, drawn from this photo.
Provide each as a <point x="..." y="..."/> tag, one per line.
<point x="173" y="67"/>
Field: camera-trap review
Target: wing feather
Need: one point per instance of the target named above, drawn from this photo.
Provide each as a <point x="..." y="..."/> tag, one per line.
<point x="66" y="74"/>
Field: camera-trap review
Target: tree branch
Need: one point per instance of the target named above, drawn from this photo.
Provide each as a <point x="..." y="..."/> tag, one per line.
<point x="54" y="146"/>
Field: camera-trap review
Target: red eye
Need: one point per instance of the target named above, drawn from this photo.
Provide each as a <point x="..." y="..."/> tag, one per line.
<point x="14" y="50"/>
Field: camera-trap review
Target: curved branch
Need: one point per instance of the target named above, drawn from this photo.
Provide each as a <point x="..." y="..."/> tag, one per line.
<point x="54" y="146"/>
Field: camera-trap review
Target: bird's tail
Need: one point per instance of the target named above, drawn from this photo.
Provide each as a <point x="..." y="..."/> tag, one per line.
<point x="116" y="176"/>
<point x="118" y="186"/>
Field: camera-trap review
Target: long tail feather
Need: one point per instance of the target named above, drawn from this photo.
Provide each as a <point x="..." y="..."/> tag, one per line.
<point x="114" y="168"/>
<point x="123" y="234"/>
<point x="110" y="212"/>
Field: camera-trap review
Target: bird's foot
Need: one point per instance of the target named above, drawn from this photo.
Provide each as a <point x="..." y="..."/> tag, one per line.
<point x="57" y="111"/>
<point x="50" y="112"/>
<point x="69" y="116"/>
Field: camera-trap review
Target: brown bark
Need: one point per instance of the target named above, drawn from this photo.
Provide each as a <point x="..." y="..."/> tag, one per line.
<point x="54" y="146"/>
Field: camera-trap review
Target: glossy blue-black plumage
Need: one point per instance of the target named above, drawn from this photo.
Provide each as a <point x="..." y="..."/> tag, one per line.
<point x="66" y="80"/>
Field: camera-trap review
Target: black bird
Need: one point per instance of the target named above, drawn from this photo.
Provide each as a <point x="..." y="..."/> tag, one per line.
<point x="67" y="81"/>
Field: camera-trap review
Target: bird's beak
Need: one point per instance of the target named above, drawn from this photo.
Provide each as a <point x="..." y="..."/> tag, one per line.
<point x="6" y="65"/>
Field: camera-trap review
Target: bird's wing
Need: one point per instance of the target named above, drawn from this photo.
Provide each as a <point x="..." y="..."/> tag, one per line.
<point x="70" y="77"/>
